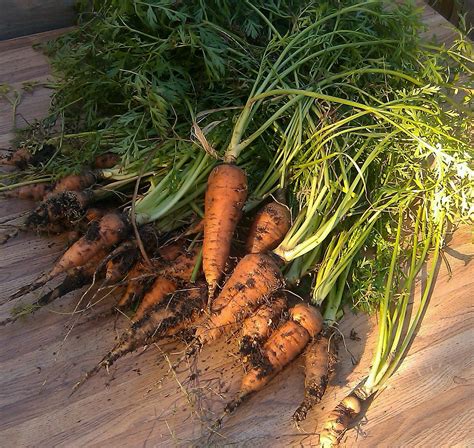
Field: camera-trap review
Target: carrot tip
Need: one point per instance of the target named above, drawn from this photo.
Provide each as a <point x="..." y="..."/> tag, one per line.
<point x="234" y="404"/>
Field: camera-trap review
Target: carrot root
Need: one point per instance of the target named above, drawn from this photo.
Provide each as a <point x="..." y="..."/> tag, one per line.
<point x="268" y="228"/>
<point x="164" y="319"/>
<point x="284" y="345"/>
<point x="34" y="192"/>
<point x="257" y="328"/>
<point x="339" y="420"/>
<point x="255" y="278"/>
<point x="225" y="196"/>
<point x="320" y="358"/>
<point x="65" y="208"/>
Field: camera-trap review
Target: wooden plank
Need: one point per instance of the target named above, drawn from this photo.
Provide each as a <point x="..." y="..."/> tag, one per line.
<point x="25" y="17"/>
<point x="21" y="63"/>
<point x="428" y="402"/>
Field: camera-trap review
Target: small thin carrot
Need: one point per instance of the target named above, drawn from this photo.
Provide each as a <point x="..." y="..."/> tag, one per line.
<point x="76" y="182"/>
<point x="320" y="357"/>
<point x="104" y="234"/>
<point x="19" y="158"/>
<point x="76" y="278"/>
<point x="139" y="279"/>
<point x="33" y="192"/>
<point x="142" y="276"/>
<point x="168" y="280"/>
<point x="23" y="157"/>
<point x="119" y="262"/>
<point x="165" y="319"/>
<point x="284" y="345"/>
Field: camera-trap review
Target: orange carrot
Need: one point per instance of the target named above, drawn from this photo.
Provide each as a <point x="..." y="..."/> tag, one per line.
<point x="106" y="160"/>
<point x="141" y="276"/>
<point x="32" y="192"/>
<point x="101" y="235"/>
<point x="269" y="227"/>
<point x="64" y="209"/>
<point x="225" y="196"/>
<point x="320" y="357"/>
<point x="284" y="345"/>
<point x="180" y="270"/>
<point x="19" y="158"/>
<point x="109" y="231"/>
<point x="76" y="182"/>
<point x="139" y="279"/>
<point x="94" y="213"/>
<point x="22" y="157"/>
<point x="76" y="278"/>
<point x="339" y="420"/>
<point x="255" y="278"/>
<point x="119" y="262"/>
<point x="161" y="287"/>
<point x="164" y="319"/>
<point x="257" y="328"/>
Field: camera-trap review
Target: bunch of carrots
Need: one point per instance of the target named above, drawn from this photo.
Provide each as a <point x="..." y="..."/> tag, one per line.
<point x="337" y="133"/>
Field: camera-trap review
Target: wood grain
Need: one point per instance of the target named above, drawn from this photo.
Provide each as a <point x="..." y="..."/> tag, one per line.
<point x="24" y="17"/>
<point x="427" y="403"/>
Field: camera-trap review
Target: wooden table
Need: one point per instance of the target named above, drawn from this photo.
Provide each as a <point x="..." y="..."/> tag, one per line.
<point x="427" y="403"/>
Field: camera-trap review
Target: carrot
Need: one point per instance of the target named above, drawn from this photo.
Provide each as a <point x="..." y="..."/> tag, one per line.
<point x="339" y="420"/>
<point x="39" y="191"/>
<point x="257" y="328"/>
<point x="94" y="213"/>
<point x="168" y="280"/>
<point x="65" y="208"/>
<point x="76" y="182"/>
<point x="320" y="357"/>
<point x="284" y="345"/>
<point x="76" y="278"/>
<point x="225" y="196"/>
<point x="119" y="262"/>
<point x="141" y="277"/>
<point x="32" y="192"/>
<point x="161" y="287"/>
<point x="19" y="158"/>
<point x="104" y="234"/>
<point x="255" y="278"/>
<point x="195" y="228"/>
<point x="22" y="157"/>
<point x="268" y="228"/>
<point x="106" y="160"/>
<point x="164" y="319"/>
